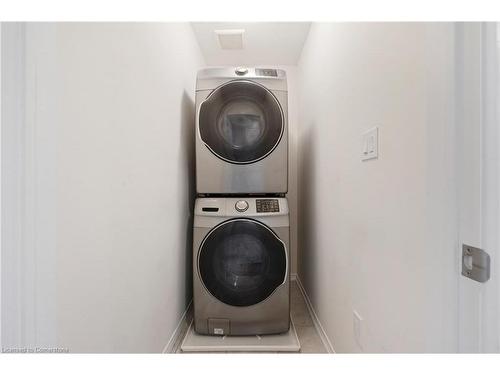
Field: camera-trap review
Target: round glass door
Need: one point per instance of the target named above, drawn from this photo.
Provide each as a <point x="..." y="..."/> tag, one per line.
<point x="241" y="262"/>
<point x="241" y="122"/>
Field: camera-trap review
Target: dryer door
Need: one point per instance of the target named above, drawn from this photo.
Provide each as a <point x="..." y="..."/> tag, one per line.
<point x="242" y="261"/>
<point x="241" y="122"/>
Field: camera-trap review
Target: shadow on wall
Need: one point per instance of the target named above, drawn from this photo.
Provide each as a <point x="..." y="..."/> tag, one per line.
<point x="188" y="157"/>
<point x="307" y="218"/>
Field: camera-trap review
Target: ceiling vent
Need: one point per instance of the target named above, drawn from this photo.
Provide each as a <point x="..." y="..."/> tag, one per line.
<point x="230" y="38"/>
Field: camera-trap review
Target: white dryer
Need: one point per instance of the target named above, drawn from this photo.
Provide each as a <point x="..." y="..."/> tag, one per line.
<point x="241" y="266"/>
<point x="241" y="131"/>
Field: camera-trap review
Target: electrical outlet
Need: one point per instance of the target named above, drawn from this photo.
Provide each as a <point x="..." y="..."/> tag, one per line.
<point x="356" y="327"/>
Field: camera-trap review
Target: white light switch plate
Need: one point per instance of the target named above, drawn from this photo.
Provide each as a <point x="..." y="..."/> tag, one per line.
<point x="369" y="144"/>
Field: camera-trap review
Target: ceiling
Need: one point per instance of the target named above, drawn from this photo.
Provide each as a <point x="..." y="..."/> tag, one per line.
<point x="264" y="43"/>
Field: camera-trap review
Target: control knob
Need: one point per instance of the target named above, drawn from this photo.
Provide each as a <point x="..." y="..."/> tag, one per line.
<point x="241" y="206"/>
<point x="241" y="71"/>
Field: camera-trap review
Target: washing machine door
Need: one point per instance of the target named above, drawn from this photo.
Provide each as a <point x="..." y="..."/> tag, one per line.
<point x="241" y="122"/>
<point x="241" y="262"/>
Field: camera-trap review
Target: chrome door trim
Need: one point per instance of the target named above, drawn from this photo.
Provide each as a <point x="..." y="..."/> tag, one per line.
<point x="285" y="279"/>
<point x="253" y="83"/>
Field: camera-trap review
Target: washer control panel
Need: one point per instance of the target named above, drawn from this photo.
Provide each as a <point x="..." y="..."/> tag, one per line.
<point x="248" y="206"/>
<point x="267" y="205"/>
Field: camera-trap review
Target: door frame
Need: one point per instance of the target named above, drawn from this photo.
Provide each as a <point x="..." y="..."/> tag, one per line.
<point x="477" y="181"/>
<point x="13" y="252"/>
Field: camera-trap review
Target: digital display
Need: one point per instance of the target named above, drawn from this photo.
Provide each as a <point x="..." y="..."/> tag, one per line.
<point x="266" y="72"/>
<point x="267" y="205"/>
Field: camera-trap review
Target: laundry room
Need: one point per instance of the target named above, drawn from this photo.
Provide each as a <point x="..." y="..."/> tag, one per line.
<point x="249" y="187"/>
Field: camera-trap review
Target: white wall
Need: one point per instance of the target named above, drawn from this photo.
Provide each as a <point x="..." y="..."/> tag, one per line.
<point x="379" y="237"/>
<point x="110" y="183"/>
<point x="13" y="63"/>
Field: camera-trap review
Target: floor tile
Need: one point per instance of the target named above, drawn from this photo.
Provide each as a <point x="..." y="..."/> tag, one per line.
<point x="310" y="341"/>
<point x="309" y="338"/>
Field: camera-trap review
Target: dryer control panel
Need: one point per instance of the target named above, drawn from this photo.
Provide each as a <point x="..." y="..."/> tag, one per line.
<point x="267" y="205"/>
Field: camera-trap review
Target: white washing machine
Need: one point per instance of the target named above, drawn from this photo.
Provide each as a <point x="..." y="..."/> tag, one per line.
<point x="241" y="131"/>
<point x="241" y="266"/>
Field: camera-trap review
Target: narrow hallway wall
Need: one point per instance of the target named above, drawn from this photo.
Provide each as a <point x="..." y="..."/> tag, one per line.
<point x="109" y="185"/>
<point x="379" y="237"/>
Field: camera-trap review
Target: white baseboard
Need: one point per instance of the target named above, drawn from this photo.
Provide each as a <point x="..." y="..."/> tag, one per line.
<point x="184" y="322"/>
<point x="317" y="324"/>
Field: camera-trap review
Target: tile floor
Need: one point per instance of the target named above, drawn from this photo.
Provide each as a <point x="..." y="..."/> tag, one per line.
<point x="310" y="341"/>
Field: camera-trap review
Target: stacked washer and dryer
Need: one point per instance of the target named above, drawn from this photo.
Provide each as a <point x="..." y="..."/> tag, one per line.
<point x="241" y="260"/>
